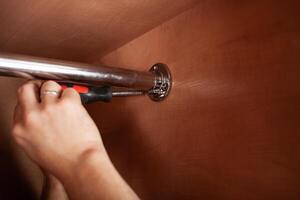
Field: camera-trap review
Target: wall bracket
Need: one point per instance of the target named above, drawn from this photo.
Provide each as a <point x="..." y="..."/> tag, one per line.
<point x="163" y="82"/>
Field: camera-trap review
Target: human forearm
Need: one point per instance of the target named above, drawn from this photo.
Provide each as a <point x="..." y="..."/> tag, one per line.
<point x="53" y="189"/>
<point x="95" y="177"/>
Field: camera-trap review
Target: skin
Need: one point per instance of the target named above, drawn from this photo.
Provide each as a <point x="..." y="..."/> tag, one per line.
<point x="53" y="189"/>
<point x="58" y="134"/>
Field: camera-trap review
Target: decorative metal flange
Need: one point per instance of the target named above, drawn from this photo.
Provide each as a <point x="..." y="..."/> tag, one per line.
<point x="163" y="82"/>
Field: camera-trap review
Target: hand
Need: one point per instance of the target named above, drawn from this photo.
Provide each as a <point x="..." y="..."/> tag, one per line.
<point x="58" y="134"/>
<point x="55" y="130"/>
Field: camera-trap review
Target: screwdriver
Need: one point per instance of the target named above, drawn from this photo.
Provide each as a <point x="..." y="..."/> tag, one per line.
<point x="90" y="94"/>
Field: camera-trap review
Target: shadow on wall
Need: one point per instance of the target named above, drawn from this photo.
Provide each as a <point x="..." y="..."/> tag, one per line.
<point x="13" y="181"/>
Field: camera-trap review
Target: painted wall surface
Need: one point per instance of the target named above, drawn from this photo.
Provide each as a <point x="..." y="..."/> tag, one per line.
<point x="230" y="128"/>
<point x="78" y="30"/>
<point x="72" y="30"/>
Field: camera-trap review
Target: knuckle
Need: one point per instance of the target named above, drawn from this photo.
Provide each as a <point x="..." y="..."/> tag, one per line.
<point x="66" y="103"/>
<point x="30" y="118"/>
<point x="71" y="94"/>
<point x="50" y="83"/>
<point x="16" y="130"/>
<point x="23" y="88"/>
<point x="48" y="109"/>
<point x="69" y="105"/>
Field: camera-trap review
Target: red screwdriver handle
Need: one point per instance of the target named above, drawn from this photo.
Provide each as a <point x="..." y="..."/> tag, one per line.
<point x="89" y="94"/>
<point x="79" y="88"/>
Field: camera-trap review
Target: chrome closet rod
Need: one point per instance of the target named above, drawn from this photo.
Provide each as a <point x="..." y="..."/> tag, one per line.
<point x="156" y="82"/>
<point x="36" y="68"/>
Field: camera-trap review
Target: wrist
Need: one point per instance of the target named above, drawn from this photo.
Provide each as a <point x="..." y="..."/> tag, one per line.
<point x="92" y="155"/>
<point x="95" y="168"/>
<point x="89" y="158"/>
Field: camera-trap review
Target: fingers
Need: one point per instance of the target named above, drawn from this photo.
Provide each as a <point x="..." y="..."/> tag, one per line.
<point x="28" y="94"/>
<point x="50" y="92"/>
<point x="71" y="94"/>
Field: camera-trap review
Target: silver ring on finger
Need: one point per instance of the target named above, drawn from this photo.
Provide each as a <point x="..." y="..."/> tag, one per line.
<point x="50" y="92"/>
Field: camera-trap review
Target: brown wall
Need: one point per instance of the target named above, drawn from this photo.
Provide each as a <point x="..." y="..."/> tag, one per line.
<point x="70" y="30"/>
<point x="230" y="128"/>
<point x="77" y="29"/>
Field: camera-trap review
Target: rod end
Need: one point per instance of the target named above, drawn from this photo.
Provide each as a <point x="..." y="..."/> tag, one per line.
<point x="163" y="82"/>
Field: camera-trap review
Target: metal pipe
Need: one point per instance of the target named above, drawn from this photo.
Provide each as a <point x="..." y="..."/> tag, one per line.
<point x="35" y="68"/>
<point x="156" y="83"/>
